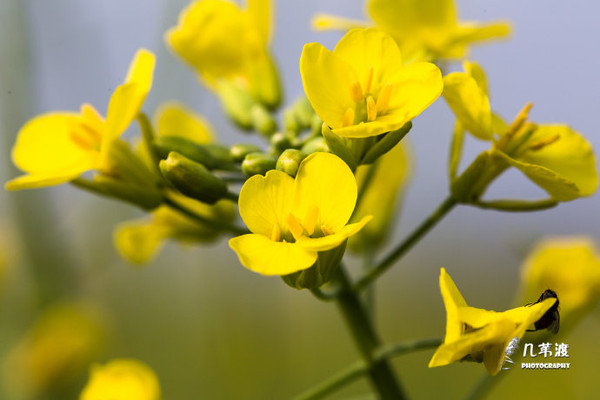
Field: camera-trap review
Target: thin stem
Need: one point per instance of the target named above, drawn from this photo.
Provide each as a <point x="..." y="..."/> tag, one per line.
<point x="204" y="220"/>
<point x="379" y="370"/>
<point x="407" y="244"/>
<point x="359" y="368"/>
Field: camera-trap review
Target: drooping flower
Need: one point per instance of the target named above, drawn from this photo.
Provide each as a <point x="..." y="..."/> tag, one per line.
<point x="555" y="157"/>
<point x="480" y="335"/>
<point x="58" y="147"/>
<point x="362" y="88"/>
<point x="295" y="220"/>
<point x="568" y="266"/>
<point x="226" y="45"/>
<point x="121" y="379"/>
<point x="423" y="29"/>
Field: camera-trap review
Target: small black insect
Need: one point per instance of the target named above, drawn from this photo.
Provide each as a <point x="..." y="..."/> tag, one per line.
<point x="551" y="319"/>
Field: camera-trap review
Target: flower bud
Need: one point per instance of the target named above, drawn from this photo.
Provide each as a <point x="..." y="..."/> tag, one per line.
<point x="239" y="151"/>
<point x="212" y="156"/>
<point x="257" y="163"/>
<point x="146" y="197"/>
<point x="281" y="141"/>
<point x="289" y="161"/>
<point x="193" y="179"/>
<point x="237" y="104"/>
<point x="263" y="121"/>
<point x="321" y="271"/>
<point x="315" y="145"/>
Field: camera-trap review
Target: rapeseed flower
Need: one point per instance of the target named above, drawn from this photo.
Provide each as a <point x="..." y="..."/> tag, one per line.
<point x="362" y="88"/>
<point x="480" y="335"/>
<point x="295" y="220"/>
<point x="58" y="147"/>
<point x="121" y="379"/>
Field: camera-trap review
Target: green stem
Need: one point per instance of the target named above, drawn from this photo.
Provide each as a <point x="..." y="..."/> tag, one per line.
<point x="360" y="368"/>
<point x="379" y="370"/>
<point x="148" y="135"/>
<point x="407" y="244"/>
<point x="204" y="220"/>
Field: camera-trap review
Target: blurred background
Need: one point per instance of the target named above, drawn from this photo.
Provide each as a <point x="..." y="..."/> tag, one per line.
<point x="214" y="330"/>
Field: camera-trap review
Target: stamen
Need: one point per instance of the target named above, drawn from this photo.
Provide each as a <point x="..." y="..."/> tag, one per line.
<point x="276" y="233"/>
<point x="383" y="100"/>
<point x="371" y="109"/>
<point x="295" y="227"/>
<point x="540" y="144"/>
<point x="311" y="220"/>
<point x="520" y="119"/>
<point x="85" y="136"/>
<point x="348" y="119"/>
<point x="326" y="230"/>
<point x="369" y="81"/>
<point x="356" y="92"/>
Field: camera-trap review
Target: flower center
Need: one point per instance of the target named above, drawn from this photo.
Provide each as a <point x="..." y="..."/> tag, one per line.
<point x="368" y="105"/>
<point x="85" y="136"/>
<point x="306" y="227"/>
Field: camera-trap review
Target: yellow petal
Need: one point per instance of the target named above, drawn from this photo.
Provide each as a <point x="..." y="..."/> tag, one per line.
<point x="370" y="51"/>
<point x="138" y="242"/>
<point x="39" y="180"/>
<point x="334" y="240"/>
<point x="409" y="16"/>
<point x="260" y="254"/>
<point x="122" y="379"/>
<point x="471" y="32"/>
<point x="261" y="13"/>
<point x="324" y="22"/>
<point x="45" y="146"/>
<point x="469" y="103"/>
<point x="325" y="182"/>
<point x="327" y="81"/>
<point x="127" y="99"/>
<point x="559" y="187"/>
<point x="570" y="156"/>
<point x="266" y="201"/>
<point x="452" y="301"/>
<point x="175" y="119"/>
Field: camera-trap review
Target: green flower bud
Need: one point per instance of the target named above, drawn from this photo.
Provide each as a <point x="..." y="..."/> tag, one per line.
<point x="257" y="163"/>
<point x="212" y="156"/>
<point x="239" y="151"/>
<point x="303" y="112"/>
<point x="193" y="179"/>
<point x="281" y="141"/>
<point x="320" y="272"/>
<point x="290" y="122"/>
<point x="289" y="161"/>
<point x="237" y="103"/>
<point x="263" y="121"/>
<point x="146" y="197"/>
<point x="314" y="145"/>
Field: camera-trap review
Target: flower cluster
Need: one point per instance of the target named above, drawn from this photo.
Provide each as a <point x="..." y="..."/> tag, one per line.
<point x="329" y="173"/>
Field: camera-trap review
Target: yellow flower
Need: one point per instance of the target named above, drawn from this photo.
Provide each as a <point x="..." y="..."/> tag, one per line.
<point x="362" y="88"/>
<point x="121" y="379"/>
<point x="431" y="27"/>
<point x="61" y="343"/>
<point x="57" y="147"/>
<point x="568" y="266"/>
<point x="481" y="335"/>
<point x="555" y="157"/>
<point x="380" y="197"/>
<point x="225" y="43"/>
<point x="293" y="220"/>
<point x="423" y="29"/>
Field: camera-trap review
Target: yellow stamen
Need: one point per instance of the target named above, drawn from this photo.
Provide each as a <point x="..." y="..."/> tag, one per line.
<point x="371" y="109"/>
<point x="383" y="100"/>
<point x="276" y="233"/>
<point x="326" y="231"/>
<point x="369" y="81"/>
<point x="295" y="227"/>
<point x="520" y="119"/>
<point x="85" y="136"/>
<point x="348" y="119"/>
<point x="540" y="144"/>
<point x="356" y="92"/>
<point x="311" y="220"/>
